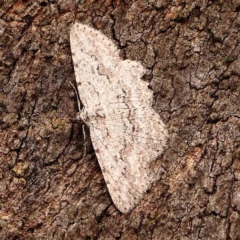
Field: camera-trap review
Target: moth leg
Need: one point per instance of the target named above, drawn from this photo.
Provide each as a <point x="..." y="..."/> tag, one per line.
<point x="78" y="116"/>
<point x="84" y="134"/>
<point x="84" y="138"/>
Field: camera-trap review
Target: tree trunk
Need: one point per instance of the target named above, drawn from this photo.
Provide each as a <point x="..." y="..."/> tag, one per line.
<point x="51" y="189"/>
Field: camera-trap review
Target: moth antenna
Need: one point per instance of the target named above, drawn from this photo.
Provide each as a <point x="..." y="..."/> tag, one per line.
<point x="77" y="95"/>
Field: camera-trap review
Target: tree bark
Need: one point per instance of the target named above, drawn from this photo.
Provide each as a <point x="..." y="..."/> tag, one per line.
<point x="50" y="189"/>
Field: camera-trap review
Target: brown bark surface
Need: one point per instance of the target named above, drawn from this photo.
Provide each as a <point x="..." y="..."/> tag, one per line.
<point x="50" y="190"/>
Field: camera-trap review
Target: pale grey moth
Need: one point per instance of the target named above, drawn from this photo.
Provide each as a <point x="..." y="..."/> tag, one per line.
<point x="126" y="133"/>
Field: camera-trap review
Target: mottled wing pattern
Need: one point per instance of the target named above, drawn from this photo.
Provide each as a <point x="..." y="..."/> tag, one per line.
<point x="127" y="134"/>
<point x="94" y="66"/>
<point x="129" y="137"/>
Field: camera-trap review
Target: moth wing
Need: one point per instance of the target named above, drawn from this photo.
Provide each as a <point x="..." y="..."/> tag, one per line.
<point x="129" y="137"/>
<point x="128" y="104"/>
<point x="95" y="58"/>
<point x="113" y="167"/>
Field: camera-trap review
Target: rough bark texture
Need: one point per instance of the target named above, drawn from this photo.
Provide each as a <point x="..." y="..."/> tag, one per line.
<point x="50" y="190"/>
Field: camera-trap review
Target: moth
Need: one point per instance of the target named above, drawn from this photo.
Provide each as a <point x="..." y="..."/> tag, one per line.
<point x="126" y="133"/>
